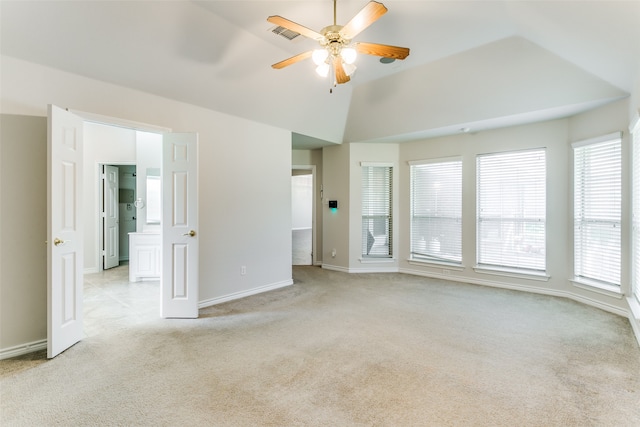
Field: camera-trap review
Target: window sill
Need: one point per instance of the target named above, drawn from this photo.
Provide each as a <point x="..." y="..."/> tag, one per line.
<point x="375" y="260"/>
<point x="436" y="264"/>
<point x="508" y="272"/>
<point x="599" y="287"/>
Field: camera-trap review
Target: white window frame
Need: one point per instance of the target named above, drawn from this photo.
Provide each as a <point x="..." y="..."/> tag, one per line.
<point x="368" y="244"/>
<point x="429" y="250"/>
<point x="521" y="248"/>
<point x="635" y="210"/>
<point x="584" y="250"/>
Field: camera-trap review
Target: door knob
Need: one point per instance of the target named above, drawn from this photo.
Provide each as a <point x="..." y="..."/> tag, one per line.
<point x="58" y="242"/>
<point x="190" y="233"/>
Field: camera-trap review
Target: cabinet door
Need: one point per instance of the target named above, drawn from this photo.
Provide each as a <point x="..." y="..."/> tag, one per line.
<point x="147" y="256"/>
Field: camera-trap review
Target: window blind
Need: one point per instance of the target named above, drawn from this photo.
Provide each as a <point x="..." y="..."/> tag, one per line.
<point x="511" y="210"/>
<point x="436" y="211"/>
<point x="636" y="210"/>
<point x="597" y="210"/>
<point x="377" y="203"/>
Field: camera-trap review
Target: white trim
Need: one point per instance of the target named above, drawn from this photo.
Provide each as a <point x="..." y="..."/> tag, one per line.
<point x="597" y="287"/>
<point x="378" y="164"/>
<point x="634" y="316"/>
<point x="21" y="349"/>
<point x="335" y="268"/>
<point x="91" y="270"/>
<point x="515" y="273"/>
<point x="118" y="122"/>
<point x="375" y="260"/>
<point x="525" y="288"/>
<point x="436" y="264"/>
<point x="438" y="160"/>
<point x="374" y="270"/>
<point x="635" y="122"/>
<point x="598" y="139"/>
<point x="237" y="295"/>
<point x="314" y="208"/>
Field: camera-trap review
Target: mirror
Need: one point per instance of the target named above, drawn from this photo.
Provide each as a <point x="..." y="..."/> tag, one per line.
<point x="153" y="196"/>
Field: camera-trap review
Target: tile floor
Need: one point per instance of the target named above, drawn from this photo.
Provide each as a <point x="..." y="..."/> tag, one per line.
<point x="111" y="302"/>
<point x="301" y="251"/>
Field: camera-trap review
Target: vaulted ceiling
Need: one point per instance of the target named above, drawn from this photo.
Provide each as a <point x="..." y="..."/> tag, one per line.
<point x="473" y="65"/>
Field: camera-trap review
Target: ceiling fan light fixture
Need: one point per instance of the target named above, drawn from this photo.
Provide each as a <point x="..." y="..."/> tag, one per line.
<point x="323" y="69"/>
<point x="319" y="56"/>
<point x="349" y="55"/>
<point x="336" y="56"/>
<point x="349" y="69"/>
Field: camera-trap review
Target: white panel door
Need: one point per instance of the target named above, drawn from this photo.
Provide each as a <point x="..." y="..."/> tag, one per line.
<point x="179" y="226"/>
<point x="64" y="231"/>
<point x="111" y="217"/>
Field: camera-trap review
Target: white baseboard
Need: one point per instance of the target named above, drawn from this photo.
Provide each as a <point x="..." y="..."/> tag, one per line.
<point x="91" y="270"/>
<point x="524" y="288"/>
<point x="372" y="269"/>
<point x="21" y="349"/>
<point x="634" y="316"/>
<point x="237" y="295"/>
<point x="335" y="268"/>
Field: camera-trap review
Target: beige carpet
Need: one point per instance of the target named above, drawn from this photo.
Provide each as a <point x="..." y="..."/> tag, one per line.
<point x="345" y="350"/>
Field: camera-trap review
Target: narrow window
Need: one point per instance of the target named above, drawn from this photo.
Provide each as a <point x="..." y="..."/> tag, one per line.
<point x="511" y="210"/>
<point x="436" y="211"/>
<point x="635" y="265"/>
<point x="597" y="209"/>
<point x="377" y="204"/>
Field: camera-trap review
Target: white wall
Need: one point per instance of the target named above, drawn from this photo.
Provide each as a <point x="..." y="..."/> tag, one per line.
<point x="242" y="165"/>
<point x="301" y="201"/>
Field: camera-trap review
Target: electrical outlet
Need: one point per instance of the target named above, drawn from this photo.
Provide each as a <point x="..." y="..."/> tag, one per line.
<point x="333" y="253"/>
<point x="243" y="270"/>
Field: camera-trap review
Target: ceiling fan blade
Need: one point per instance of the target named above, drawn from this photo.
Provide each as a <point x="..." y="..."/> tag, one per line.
<point x="290" y="25"/>
<point x="367" y="16"/>
<point x="299" y="57"/>
<point x="382" y="50"/>
<point x="338" y="68"/>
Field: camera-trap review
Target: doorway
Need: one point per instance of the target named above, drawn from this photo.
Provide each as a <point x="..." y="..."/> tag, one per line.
<point x="66" y="231"/>
<point x="302" y="215"/>
<point x="117" y="212"/>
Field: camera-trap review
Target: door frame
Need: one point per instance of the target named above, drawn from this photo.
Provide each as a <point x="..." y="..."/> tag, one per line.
<point x="100" y="193"/>
<point x="314" y="240"/>
<point x="88" y="117"/>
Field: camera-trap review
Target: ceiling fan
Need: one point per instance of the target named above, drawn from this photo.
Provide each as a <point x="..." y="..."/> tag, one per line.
<point x="336" y="53"/>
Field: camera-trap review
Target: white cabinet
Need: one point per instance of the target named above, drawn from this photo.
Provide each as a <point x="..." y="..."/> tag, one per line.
<point x="144" y="256"/>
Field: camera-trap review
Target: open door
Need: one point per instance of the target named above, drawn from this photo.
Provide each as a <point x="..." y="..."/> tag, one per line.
<point x="179" y="226"/>
<point x="64" y="231"/>
<point x="110" y="219"/>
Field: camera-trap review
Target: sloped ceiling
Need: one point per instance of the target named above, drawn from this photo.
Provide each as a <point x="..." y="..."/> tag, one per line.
<point x="473" y="64"/>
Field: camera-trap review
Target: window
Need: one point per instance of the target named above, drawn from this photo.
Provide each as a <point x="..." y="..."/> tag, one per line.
<point x="597" y="201"/>
<point x="511" y="210"/>
<point x="436" y="210"/>
<point x="635" y="265"/>
<point x="377" y="203"/>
